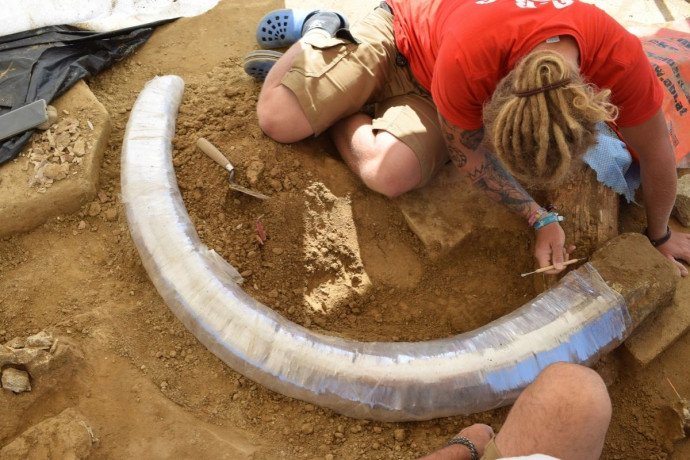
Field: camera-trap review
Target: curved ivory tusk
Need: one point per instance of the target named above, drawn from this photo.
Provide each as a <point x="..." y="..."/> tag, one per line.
<point x="576" y="321"/>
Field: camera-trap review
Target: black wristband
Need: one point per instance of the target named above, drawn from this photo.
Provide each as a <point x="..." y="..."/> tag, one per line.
<point x="467" y="443"/>
<point x="661" y="240"/>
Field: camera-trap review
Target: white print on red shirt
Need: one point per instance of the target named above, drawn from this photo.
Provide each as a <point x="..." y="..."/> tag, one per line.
<point x="533" y="3"/>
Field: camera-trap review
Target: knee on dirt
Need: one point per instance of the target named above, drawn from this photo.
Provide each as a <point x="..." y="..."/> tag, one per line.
<point x="384" y="183"/>
<point x="278" y="124"/>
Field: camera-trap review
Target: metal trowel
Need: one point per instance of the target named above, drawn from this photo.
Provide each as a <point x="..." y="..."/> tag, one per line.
<point x="216" y="155"/>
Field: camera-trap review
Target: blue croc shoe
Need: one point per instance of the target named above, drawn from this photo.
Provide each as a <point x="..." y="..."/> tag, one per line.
<point x="258" y="63"/>
<point x="282" y="28"/>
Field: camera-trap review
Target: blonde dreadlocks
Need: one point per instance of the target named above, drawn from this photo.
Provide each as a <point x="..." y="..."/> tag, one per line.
<point x="542" y="116"/>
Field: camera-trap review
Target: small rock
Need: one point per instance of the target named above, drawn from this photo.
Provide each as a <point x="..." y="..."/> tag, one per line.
<point x="52" y="118"/>
<point x="93" y="209"/>
<point x="15" y="380"/>
<point x="307" y="428"/>
<point x="111" y="215"/>
<point x="16" y="343"/>
<point x="254" y="171"/>
<point x="54" y="171"/>
<point x="41" y="340"/>
<point x="62" y="140"/>
<point x="319" y="321"/>
<point x="79" y="147"/>
<point x="400" y="435"/>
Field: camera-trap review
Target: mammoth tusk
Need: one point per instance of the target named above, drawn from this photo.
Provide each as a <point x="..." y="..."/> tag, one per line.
<point x="577" y="320"/>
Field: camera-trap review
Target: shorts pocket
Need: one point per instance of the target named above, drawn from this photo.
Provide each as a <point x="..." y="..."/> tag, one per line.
<point x="322" y="55"/>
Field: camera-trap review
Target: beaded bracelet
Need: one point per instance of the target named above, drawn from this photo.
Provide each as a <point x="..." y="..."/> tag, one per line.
<point x="467" y="443"/>
<point x="536" y="215"/>
<point x="547" y="219"/>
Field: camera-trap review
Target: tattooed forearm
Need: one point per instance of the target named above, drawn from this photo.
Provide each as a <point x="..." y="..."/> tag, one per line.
<point x="469" y="139"/>
<point x="456" y="155"/>
<point x="500" y="185"/>
<point x="483" y="169"/>
<point x="472" y="139"/>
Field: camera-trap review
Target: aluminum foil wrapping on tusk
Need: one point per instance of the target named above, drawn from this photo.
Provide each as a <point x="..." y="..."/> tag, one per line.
<point x="577" y="320"/>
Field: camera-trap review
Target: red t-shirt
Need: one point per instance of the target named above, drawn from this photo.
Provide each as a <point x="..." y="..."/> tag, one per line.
<point x="460" y="49"/>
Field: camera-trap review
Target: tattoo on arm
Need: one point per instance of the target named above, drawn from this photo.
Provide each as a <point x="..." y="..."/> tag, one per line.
<point x="468" y="139"/>
<point x="456" y="155"/>
<point x="500" y="185"/>
<point x="472" y="139"/>
<point x="483" y="169"/>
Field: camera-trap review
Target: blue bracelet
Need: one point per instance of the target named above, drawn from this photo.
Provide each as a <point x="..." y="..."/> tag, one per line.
<point x="550" y="218"/>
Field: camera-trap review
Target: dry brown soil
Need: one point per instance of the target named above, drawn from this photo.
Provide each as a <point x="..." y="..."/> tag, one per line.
<point x="126" y="380"/>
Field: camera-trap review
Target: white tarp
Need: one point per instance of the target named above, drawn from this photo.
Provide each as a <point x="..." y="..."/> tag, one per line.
<point x="96" y="15"/>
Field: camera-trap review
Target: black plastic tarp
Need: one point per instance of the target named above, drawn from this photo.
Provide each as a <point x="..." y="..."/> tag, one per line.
<point x="44" y="63"/>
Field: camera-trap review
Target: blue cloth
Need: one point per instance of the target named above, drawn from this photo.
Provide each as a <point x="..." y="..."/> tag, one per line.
<point x="611" y="160"/>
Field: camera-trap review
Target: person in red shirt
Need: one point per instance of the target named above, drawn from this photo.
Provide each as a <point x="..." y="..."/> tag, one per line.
<point x="511" y="91"/>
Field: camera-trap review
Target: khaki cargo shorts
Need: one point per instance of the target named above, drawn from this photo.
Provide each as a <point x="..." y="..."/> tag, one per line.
<point x="334" y="78"/>
<point x="491" y="452"/>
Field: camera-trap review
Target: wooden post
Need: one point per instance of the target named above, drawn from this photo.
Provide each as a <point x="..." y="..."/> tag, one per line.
<point x="591" y="212"/>
<point x="590" y="208"/>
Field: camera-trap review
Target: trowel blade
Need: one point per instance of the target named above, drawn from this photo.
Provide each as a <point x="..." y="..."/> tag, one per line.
<point x="239" y="188"/>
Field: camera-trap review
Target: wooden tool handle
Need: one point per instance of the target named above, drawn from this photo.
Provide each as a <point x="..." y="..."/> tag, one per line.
<point x="215" y="154"/>
<point x="551" y="267"/>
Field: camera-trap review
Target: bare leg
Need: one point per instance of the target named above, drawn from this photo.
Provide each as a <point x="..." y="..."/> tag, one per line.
<point x="382" y="161"/>
<point x="385" y="164"/>
<point x="564" y="413"/>
<point x="280" y="114"/>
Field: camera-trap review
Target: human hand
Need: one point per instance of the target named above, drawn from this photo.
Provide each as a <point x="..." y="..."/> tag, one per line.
<point x="677" y="249"/>
<point x="550" y="248"/>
